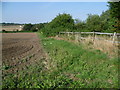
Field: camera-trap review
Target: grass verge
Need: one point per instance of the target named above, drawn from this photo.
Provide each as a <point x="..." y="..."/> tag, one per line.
<point x="85" y="68"/>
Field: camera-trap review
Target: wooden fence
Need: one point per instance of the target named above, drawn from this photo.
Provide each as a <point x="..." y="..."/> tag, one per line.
<point x="78" y="36"/>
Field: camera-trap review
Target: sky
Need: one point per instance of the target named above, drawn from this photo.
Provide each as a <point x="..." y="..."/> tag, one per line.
<point x="40" y="12"/>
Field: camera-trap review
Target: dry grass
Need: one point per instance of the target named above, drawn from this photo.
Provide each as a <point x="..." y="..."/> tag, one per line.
<point x="99" y="44"/>
<point x="104" y="46"/>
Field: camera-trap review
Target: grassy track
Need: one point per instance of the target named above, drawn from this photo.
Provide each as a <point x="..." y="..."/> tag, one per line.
<point x="71" y="66"/>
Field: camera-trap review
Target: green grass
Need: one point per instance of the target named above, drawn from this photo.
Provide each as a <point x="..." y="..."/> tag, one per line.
<point x="89" y="68"/>
<point x="71" y="67"/>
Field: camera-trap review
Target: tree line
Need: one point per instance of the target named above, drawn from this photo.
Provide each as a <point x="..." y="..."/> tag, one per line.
<point x="8" y="24"/>
<point x="33" y="27"/>
<point x="108" y="21"/>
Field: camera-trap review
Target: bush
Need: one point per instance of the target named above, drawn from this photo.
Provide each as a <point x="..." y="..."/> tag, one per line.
<point x="63" y="22"/>
<point x="3" y="30"/>
<point x="27" y="27"/>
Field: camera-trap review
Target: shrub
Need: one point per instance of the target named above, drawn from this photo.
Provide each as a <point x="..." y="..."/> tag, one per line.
<point x="27" y="27"/>
<point x="63" y="22"/>
<point x="3" y="30"/>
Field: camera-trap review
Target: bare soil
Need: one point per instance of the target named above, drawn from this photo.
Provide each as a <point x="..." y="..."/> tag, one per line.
<point x="19" y="50"/>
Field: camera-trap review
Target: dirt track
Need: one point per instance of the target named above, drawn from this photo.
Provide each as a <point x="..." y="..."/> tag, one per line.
<point x="19" y="50"/>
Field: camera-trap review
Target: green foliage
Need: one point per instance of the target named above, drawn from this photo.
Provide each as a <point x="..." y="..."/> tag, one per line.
<point x="102" y="23"/>
<point x="114" y="8"/>
<point x="107" y="22"/>
<point x="33" y="27"/>
<point x="93" y="23"/>
<point x="62" y="22"/>
<point x="80" y="25"/>
<point x="27" y="27"/>
<point x="37" y="27"/>
<point x="65" y="23"/>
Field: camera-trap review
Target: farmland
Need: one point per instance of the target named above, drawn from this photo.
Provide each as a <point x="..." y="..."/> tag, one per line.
<point x="77" y="46"/>
<point x="12" y="27"/>
<point x="31" y="60"/>
<point x="19" y="51"/>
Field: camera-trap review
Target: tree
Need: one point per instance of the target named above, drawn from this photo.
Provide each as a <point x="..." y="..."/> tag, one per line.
<point x="27" y="27"/>
<point x="80" y="25"/>
<point x="62" y="22"/>
<point x="114" y="8"/>
<point x="37" y="27"/>
<point x="93" y="23"/>
<point x="106" y="21"/>
<point x="105" y="18"/>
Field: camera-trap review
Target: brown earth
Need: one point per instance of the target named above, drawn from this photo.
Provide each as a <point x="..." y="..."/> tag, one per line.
<point x="19" y="50"/>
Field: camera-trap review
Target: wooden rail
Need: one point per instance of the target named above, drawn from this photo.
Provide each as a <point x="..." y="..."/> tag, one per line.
<point x="78" y="35"/>
<point x="91" y="33"/>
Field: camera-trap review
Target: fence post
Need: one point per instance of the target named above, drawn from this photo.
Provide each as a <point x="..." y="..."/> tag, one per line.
<point x="68" y="35"/>
<point x="80" y="36"/>
<point x="59" y="34"/>
<point x="93" y="36"/>
<point x="76" y="37"/>
<point x="114" y="35"/>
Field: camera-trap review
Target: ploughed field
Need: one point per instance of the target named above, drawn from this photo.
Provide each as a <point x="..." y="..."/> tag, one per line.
<point x="19" y="50"/>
